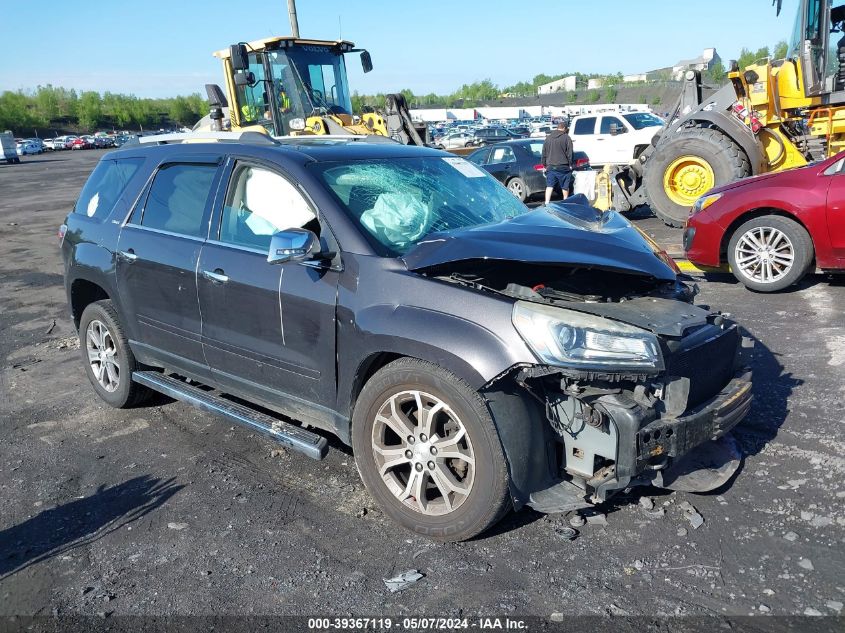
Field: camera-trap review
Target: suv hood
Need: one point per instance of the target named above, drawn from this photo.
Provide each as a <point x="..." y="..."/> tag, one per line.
<point x="571" y="234"/>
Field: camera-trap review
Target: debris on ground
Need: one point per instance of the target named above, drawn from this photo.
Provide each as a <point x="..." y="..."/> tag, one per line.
<point x="567" y="533"/>
<point x="763" y="608"/>
<point x="834" y="605"/>
<point x="613" y="609"/>
<point x="812" y="611"/>
<point x="576" y="520"/>
<point x="596" y="519"/>
<point x="278" y="452"/>
<point x="52" y="325"/>
<point x="177" y="526"/>
<point x="682" y="531"/>
<point x="361" y="513"/>
<point x="647" y="503"/>
<point x="656" y="514"/>
<point x="691" y="515"/>
<point x="790" y="536"/>
<point x="556" y="617"/>
<point x="806" y="563"/>
<point x="403" y="580"/>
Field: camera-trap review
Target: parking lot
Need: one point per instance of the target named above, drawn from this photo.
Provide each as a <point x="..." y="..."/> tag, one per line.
<point x="167" y="510"/>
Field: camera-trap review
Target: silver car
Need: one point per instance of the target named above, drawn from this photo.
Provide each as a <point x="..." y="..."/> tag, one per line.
<point x="455" y="140"/>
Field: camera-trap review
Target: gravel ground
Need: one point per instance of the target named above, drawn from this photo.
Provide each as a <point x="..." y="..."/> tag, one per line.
<point x="164" y="510"/>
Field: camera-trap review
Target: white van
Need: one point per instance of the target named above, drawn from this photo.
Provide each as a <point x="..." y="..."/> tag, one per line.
<point x="8" y="147"/>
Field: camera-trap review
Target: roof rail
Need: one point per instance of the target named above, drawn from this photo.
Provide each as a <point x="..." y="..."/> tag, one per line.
<point x="255" y="138"/>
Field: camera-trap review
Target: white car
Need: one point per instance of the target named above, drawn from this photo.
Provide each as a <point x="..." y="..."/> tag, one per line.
<point x="26" y="146"/>
<point x="614" y="138"/>
<point x="541" y="132"/>
<point x="54" y="144"/>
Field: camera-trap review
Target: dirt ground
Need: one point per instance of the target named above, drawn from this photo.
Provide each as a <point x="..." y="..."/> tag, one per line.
<point x="164" y="510"/>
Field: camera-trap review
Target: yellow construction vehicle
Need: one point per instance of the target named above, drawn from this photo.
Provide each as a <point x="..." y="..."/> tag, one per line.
<point x="294" y="86"/>
<point x="773" y="115"/>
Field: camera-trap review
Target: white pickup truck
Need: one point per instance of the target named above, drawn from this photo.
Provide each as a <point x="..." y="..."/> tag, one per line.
<point x="614" y="138"/>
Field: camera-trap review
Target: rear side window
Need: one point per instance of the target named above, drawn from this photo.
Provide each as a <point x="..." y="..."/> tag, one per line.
<point x="105" y="185"/>
<point x="585" y="126"/>
<point x="178" y="197"/>
<point x="536" y="148"/>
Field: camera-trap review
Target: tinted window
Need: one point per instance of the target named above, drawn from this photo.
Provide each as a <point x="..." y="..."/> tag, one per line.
<point x="105" y="185"/>
<point x="260" y="203"/>
<point x="536" y="148"/>
<point x="585" y="126"/>
<point x="478" y="157"/>
<point x="608" y="121"/>
<point x="178" y="198"/>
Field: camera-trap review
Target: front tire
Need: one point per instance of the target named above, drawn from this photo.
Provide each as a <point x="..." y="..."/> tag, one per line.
<point x="109" y="362"/>
<point x="428" y="451"/>
<point x="770" y="253"/>
<point x="686" y="166"/>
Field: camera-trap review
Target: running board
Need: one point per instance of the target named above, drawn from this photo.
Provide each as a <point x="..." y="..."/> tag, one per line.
<point x="294" y="437"/>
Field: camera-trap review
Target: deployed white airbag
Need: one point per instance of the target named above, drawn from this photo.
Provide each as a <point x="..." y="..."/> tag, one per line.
<point x="397" y="218"/>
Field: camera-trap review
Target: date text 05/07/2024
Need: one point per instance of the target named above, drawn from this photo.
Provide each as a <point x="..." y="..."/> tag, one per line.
<point x="417" y="624"/>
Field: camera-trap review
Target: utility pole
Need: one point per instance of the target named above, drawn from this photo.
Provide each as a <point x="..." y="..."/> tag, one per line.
<point x="294" y="24"/>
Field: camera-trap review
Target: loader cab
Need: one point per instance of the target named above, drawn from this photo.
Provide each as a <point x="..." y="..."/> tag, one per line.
<point x="818" y="46"/>
<point x="279" y="82"/>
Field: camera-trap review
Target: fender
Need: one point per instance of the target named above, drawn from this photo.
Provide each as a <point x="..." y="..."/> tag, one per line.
<point x="474" y="354"/>
<point x="466" y="348"/>
<point x="737" y="132"/>
<point x="95" y="264"/>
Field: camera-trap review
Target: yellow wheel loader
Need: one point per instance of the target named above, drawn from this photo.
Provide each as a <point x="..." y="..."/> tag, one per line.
<point x="289" y="86"/>
<point x="773" y="115"/>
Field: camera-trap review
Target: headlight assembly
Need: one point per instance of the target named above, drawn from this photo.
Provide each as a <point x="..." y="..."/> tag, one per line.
<point x="703" y="202"/>
<point x="574" y="339"/>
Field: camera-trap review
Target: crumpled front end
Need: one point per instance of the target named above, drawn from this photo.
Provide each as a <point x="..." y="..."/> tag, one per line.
<point x="667" y="427"/>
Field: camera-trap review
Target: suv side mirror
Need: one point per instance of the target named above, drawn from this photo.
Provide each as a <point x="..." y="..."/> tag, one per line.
<point x="366" y="61"/>
<point x="291" y="245"/>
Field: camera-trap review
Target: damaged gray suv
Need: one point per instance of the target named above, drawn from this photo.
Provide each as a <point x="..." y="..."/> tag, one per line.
<point x="478" y="356"/>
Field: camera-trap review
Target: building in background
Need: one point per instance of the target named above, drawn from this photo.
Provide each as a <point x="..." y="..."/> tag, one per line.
<point x="559" y="85"/>
<point x="706" y="61"/>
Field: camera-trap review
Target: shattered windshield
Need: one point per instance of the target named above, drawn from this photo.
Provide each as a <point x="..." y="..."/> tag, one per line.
<point x="398" y="202"/>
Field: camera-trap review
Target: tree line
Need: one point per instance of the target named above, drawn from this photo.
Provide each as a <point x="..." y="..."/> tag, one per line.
<point x="49" y="107"/>
<point x="485" y="91"/>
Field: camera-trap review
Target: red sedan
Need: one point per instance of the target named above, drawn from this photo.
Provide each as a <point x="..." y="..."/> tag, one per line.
<point x="772" y="228"/>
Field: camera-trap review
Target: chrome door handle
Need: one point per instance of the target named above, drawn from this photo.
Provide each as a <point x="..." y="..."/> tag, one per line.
<point x="216" y="277"/>
<point x="128" y="256"/>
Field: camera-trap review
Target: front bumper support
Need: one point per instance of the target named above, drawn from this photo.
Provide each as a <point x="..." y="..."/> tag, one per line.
<point x="648" y="443"/>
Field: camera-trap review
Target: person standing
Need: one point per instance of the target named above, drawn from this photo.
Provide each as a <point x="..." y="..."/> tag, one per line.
<point x="557" y="160"/>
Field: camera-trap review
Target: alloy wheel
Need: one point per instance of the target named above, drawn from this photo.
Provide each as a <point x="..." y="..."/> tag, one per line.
<point x="423" y="453"/>
<point x="764" y="254"/>
<point x="516" y="188"/>
<point x="102" y="351"/>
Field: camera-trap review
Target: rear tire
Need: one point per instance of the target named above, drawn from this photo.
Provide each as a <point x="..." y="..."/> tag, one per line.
<point x="109" y="361"/>
<point x="460" y="451"/>
<point x="784" y="259"/>
<point x="714" y="160"/>
<point x="517" y="187"/>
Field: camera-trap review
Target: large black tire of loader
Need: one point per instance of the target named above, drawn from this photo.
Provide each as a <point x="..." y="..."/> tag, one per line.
<point x="728" y="161"/>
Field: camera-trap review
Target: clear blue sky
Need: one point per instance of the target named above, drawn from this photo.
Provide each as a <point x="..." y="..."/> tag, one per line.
<point x="163" y="48"/>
